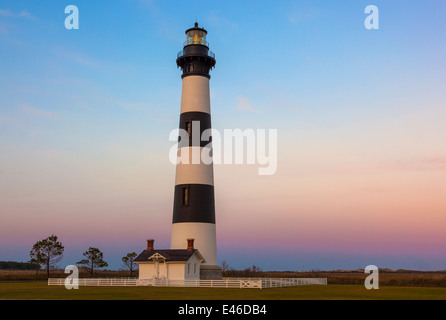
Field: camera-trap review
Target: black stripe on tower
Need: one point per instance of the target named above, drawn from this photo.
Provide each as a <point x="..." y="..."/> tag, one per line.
<point x="196" y="60"/>
<point x="186" y="123"/>
<point x="194" y="203"/>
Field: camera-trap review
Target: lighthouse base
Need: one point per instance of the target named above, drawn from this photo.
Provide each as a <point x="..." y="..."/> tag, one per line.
<point x="210" y="273"/>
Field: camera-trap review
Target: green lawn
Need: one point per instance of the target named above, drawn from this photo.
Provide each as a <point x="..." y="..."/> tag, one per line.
<point x="40" y="290"/>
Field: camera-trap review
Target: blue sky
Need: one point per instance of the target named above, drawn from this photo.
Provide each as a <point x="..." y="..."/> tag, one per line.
<point x="85" y="117"/>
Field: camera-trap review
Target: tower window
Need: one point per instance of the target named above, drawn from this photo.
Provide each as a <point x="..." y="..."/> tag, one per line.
<point x="186" y="196"/>
<point x="189" y="128"/>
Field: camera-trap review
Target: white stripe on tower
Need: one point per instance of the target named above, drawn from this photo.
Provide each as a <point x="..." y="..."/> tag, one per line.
<point x="195" y="94"/>
<point x="199" y="173"/>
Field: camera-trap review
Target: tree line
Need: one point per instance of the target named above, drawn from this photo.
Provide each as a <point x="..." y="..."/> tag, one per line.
<point x="14" y="265"/>
<point x="48" y="252"/>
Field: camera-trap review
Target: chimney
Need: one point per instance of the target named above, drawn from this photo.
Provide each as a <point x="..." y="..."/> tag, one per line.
<point x="190" y="244"/>
<point x="150" y="244"/>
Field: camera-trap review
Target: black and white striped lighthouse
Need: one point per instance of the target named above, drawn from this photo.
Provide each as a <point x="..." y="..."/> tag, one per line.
<point x="194" y="206"/>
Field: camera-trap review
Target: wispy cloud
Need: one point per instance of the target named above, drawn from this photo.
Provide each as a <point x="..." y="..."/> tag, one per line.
<point x="132" y="105"/>
<point x="245" y="104"/>
<point x="4" y="119"/>
<point x="297" y="15"/>
<point x="162" y="20"/>
<point x="275" y="99"/>
<point x="6" y="27"/>
<point x="9" y="13"/>
<point x="128" y="105"/>
<point x="218" y="21"/>
<point x="78" y="58"/>
<point x="419" y="163"/>
<point x="437" y="162"/>
<point x="31" y="110"/>
<point x="149" y="3"/>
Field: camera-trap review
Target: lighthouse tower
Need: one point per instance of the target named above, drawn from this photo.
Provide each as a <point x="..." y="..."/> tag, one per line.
<point x="194" y="207"/>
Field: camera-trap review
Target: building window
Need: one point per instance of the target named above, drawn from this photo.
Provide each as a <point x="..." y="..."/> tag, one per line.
<point x="186" y="196"/>
<point x="195" y="268"/>
<point x="188" y="268"/>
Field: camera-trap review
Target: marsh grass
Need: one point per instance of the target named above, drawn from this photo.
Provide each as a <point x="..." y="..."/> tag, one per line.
<point x="399" y="279"/>
<point x="31" y="275"/>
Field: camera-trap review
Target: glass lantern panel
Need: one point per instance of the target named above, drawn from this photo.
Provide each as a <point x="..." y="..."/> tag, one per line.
<point x="196" y="37"/>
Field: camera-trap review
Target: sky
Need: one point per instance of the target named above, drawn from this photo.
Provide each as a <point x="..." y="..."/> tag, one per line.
<point x="85" y="117"/>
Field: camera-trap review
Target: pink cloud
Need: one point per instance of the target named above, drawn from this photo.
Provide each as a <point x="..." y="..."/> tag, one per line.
<point x="33" y="111"/>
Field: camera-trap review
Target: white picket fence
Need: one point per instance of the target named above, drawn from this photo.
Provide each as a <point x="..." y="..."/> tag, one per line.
<point x="242" y="283"/>
<point x="292" y="282"/>
<point x="97" y="282"/>
<point x="285" y="282"/>
<point x="226" y="283"/>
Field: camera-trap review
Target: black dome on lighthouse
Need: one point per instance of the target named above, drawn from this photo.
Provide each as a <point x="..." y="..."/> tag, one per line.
<point x="196" y="28"/>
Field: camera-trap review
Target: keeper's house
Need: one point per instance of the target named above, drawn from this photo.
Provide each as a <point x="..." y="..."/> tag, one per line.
<point x="171" y="264"/>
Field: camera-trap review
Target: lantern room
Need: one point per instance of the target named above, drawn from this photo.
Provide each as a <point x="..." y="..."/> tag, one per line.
<point x="196" y="35"/>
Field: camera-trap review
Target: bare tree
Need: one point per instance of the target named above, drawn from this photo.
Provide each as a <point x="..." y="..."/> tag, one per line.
<point x="128" y="261"/>
<point x="36" y="264"/>
<point x="224" y="266"/>
<point x="95" y="259"/>
<point x="47" y="252"/>
<point x="255" y="269"/>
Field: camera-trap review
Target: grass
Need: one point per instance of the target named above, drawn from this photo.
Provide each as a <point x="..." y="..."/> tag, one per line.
<point x="41" y="290"/>
<point x="342" y="286"/>
<point x="404" y="278"/>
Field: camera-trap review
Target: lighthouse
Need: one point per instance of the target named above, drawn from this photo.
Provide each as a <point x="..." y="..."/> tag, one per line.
<point x="194" y="204"/>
